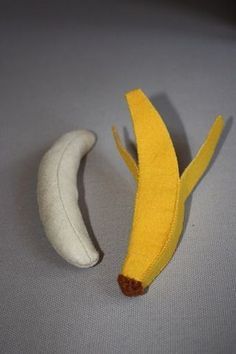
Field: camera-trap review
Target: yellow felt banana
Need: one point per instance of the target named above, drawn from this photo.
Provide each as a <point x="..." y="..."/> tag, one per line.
<point x="161" y="193"/>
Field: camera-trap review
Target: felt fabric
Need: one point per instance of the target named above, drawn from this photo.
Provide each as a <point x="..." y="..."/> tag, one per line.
<point x="197" y="167"/>
<point x="58" y="199"/>
<point x="161" y="193"/>
<point x="128" y="159"/>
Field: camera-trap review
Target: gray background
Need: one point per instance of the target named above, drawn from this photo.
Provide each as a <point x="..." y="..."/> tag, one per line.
<point x="67" y="66"/>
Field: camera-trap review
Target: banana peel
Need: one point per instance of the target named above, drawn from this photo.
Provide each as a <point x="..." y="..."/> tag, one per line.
<point x="161" y="193"/>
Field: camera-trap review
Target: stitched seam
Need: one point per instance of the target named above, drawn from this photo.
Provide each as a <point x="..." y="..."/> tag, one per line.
<point x="61" y="199"/>
<point x="168" y="238"/>
<point x="166" y="242"/>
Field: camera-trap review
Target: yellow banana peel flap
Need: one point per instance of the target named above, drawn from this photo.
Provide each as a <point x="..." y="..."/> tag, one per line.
<point x="161" y="192"/>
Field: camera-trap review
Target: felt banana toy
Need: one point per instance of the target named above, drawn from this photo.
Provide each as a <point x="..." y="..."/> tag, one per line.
<point x="57" y="196"/>
<point x="161" y="193"/>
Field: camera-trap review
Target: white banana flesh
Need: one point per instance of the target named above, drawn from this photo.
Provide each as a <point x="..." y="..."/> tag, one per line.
<point x="57" y="196"/>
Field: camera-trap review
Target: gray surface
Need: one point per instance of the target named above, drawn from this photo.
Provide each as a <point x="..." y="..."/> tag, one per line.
<point x="63" y="69"/>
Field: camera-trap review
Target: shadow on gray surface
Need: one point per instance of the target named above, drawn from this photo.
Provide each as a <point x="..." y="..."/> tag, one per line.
<point x="84" y="207"/>
<point x="223" y="10"/>
<point x="78" y="8"/>
<point x="188" y="17"/>
<point x="130" y="144"/>
<point x="176" y="129"/>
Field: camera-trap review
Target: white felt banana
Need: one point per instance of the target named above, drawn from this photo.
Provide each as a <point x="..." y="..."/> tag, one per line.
<point x="58" y="199"/>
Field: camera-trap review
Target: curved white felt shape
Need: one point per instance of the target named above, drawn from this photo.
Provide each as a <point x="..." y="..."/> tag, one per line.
<point x="58" y="199"/>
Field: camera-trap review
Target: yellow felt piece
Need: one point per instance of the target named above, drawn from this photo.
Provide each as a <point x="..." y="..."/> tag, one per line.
<point x="197" y="167"/>
<point x="128" y="159"/>
<point x="159" y="203"/>
<point x="157" y="188"/>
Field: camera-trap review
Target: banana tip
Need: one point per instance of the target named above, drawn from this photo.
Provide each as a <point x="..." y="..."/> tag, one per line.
<point x="130" y="287"/>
